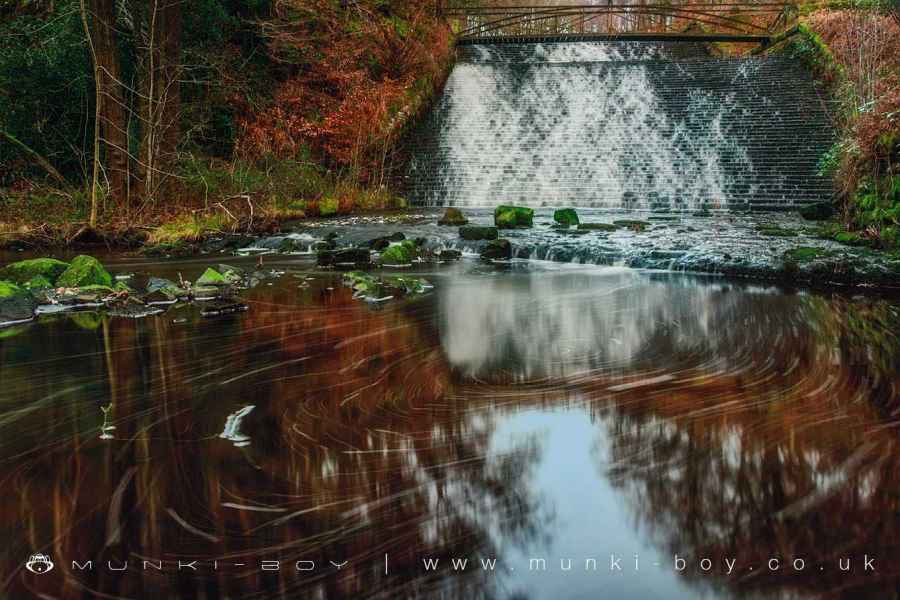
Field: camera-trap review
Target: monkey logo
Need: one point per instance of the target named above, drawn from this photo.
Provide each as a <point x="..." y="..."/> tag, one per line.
<point x="39" y="564"/>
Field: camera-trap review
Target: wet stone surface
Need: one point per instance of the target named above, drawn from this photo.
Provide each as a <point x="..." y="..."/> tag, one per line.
<point x="779" y="246"/>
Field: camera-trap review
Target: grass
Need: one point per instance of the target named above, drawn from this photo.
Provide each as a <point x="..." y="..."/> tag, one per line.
<point x="190" y="229"/>
<point x="214" y="196"/>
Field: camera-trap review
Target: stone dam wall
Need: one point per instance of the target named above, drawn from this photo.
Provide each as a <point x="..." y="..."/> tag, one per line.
<point x="633" y="125"/>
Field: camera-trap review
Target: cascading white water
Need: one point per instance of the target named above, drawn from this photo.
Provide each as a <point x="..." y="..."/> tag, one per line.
<point x="615" y="125"/>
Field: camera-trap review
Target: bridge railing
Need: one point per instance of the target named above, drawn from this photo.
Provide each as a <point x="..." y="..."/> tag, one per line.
<point x="727" y="18"/>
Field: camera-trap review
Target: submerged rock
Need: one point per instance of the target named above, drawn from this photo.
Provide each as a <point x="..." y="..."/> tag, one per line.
<point x="511" y="217"/>
<point x="84" y="271"/>
<point x="132" y="308"/>
<point x="597" y="226"/>
<point x="223" y="306"/>
<point x="164" y="289"/>
<point x="497" y="250"/>
<point x="24" y="271"/>
<point x="380" y="243"/>
<point x="381" y="289"/>
<point x="16" y="304"/>
<point x="449" y="254"/>
<point x="345" y="256"/>
<point x="776" y="231"/>
<point x="566" y="216"/>
<point x="472" y="232"/>
<point x="453" y="216"/>
<point x="632" y="224"/>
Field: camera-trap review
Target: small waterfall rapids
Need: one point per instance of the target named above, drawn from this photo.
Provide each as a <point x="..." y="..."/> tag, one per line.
<point x="634" y="125"/>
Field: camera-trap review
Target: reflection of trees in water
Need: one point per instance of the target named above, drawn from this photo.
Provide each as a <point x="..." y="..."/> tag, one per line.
<point x="355" y="452"/>
<point x="364" y="441"/>
<point x="785" y="472"/>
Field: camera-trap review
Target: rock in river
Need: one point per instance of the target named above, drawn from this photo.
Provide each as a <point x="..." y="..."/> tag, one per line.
<point x="453" y="216"/>
<point x="358" y="257"/>
<point x="472" y="232"/>
<point x="399" y="254"/>
<point x="497" y="250"/>
<point x="24" y="271"/>
<point x="16" y="304"/>
<point x="510" y="217"/>
<point x="566" y="216"/>
<point x="84" y="271"/>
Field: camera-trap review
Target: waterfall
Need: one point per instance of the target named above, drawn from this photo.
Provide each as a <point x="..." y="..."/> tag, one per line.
<point x="636" y="125"/>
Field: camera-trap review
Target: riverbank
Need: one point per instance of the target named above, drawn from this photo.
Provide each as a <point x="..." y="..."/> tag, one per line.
<point x="766" y="247"/>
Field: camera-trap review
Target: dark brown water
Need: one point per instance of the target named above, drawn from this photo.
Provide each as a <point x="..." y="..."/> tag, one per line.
<point x="587" y="428"/>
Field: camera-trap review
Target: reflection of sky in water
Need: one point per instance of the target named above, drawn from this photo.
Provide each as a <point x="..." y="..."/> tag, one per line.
<point x="590" y="520"/>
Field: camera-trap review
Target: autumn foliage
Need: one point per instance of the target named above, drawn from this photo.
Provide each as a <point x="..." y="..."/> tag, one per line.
<point x="353" y="75"/>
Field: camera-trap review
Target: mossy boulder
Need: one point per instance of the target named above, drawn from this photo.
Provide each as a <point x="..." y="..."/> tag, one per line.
<point x="566" y="216"/>
<point x="399" y="254"/>
<point x="497" y="250"/>
<point x="511" y="217"/>
<point x="211" y="277"/>
<point x="38" y="282"/>
<point x="473" y="232"/>
<point x="453" y="216"/>
<point x="16" y="303"/>
<point x="817" y="211"/>
<point x="83" y="271"/>
<point x="597" y="226"/>
<point x="24" y="271"/>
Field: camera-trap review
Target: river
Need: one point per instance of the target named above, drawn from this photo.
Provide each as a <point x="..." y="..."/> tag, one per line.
<point x="529" y="430"/>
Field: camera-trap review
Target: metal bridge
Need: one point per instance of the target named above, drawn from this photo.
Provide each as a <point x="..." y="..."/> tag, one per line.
<point x="743" y="22"/>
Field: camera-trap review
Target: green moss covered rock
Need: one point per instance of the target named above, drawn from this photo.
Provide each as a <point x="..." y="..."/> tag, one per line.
<point x="84" y="271"/>
<point x="39" y="282"/>
<point x="399" y="254"/>
<point x="16" y="304"/>
<point x="566" y="216"/>
<point x="453" y="216"/>
<point x="510" y="217"/>
<point x="211" y="277"/>
<point x="25" y="270"/>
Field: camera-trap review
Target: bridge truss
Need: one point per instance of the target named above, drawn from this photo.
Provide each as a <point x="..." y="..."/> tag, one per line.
<point x="607" y="19"/>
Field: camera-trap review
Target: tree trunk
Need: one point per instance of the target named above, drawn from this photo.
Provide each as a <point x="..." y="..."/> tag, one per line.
<point x="98" y="102"/>
<point x="114" y="123"/>
<point x="160" y="91"/>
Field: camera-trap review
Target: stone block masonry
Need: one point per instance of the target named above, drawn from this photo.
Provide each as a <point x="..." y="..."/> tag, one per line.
<point x="635" y="125"/>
